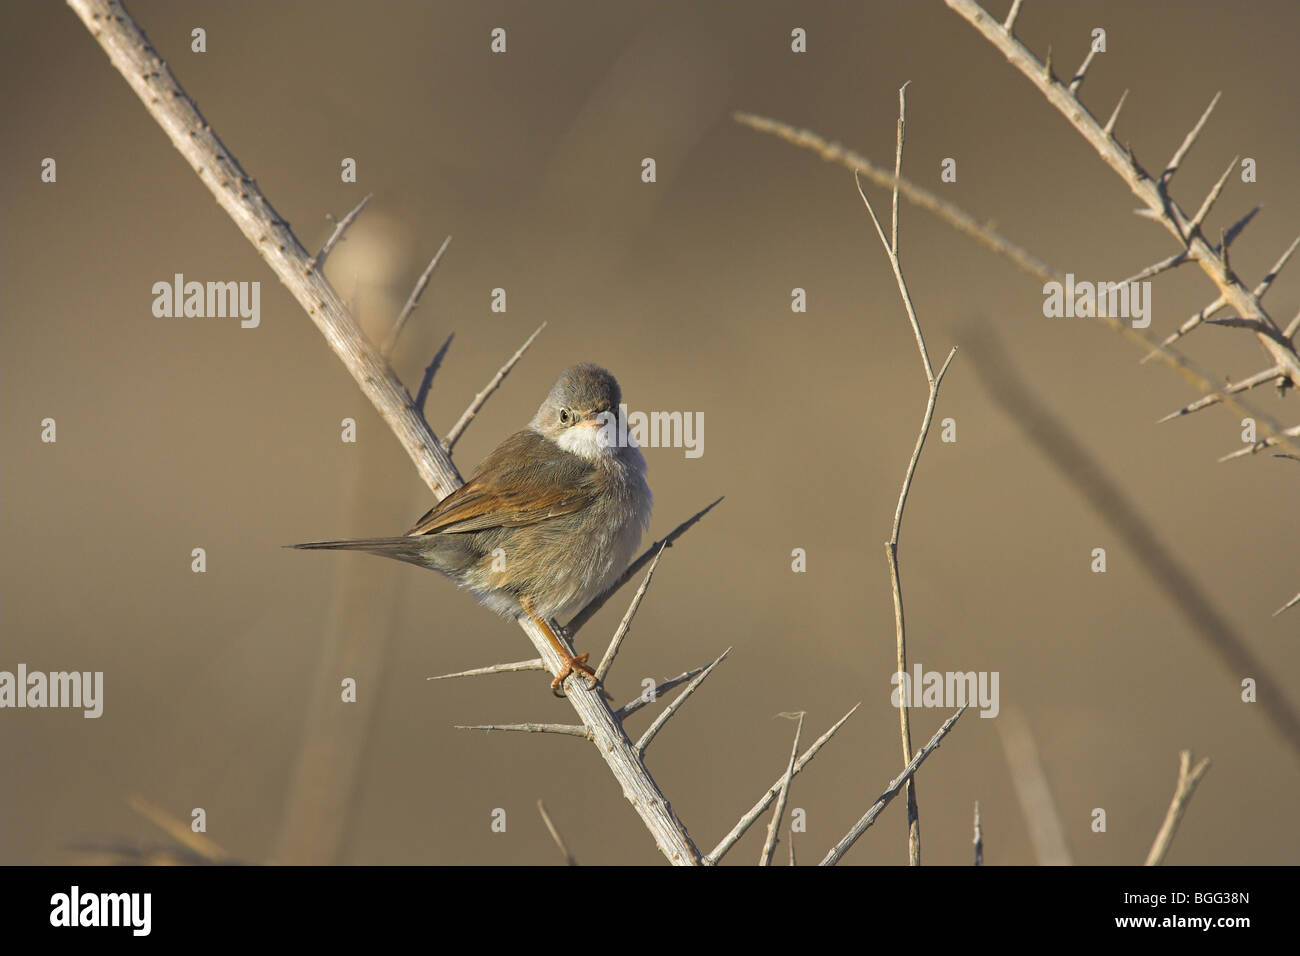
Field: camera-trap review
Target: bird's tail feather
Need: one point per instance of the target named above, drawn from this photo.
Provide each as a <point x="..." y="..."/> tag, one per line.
<point x="412" y="549"/>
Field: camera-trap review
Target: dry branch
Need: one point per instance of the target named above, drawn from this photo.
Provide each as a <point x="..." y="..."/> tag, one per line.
<point x="672" y="708"/>
<point x="130" y="52"/>
<point x="891" y="546"/>
<point x="650" y="554"/>
<point x="1159" y="204"/>
<point x="636" y="703"/>
<point x="534" y="665"/>
<point x="569" y="858"/>
<point x="765" y="801"/>
<point x="481" y="398"/>
<point x="1188" y="779"/>
<point x="566" y="730"/>
<point x="620" y="632"/>
<point x="318" y="260"/>
<point x="837" y="852"/>
<point x="390" y="343"/>
<point x="773" y="828"/>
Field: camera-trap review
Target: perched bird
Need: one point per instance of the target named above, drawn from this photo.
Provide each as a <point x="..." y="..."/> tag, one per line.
<point x="550" y="519"/>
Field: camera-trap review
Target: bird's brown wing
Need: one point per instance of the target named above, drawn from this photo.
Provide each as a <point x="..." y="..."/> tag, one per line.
<point x="525" y="480"/>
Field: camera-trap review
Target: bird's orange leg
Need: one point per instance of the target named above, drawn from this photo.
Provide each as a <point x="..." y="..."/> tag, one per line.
<point x="571" y="663"/>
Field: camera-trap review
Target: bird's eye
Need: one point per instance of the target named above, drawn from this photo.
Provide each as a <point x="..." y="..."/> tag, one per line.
<point x="565" y="416"/>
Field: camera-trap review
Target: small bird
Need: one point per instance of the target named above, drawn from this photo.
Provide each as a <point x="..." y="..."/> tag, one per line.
<point x="550" y="519"/>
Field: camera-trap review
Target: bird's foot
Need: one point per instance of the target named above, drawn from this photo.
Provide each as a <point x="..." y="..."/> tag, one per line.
<point x="571" y="665"/>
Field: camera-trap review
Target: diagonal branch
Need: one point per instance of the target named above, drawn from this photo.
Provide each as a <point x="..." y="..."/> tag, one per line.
<point x="1262" y="444"/>
<point x="1189" y="778"/>
<point x="885" y="799"/>
<point x="1259" y="378"/>
<point x="1266" y="283"/>
<point x="132" y="55"/>
<point x="672" y="708"/>
<point x="650" y="554"/>
<point x="458" y="429"/>
<point x="412" y="301"/>
<point x="1189" y="141"/>
<point x="1161" y="207"/>
<point x="616" y="642"/>
<point x="1289" y="604"/>
<point x="533" y="665"/>
<point x="569" y="858"/>
<point x="639" y="701"/>
<point x="773" y="828"/>
<point x="568" y="730"/>
<point x="965" y="223"/>
<point x="318" y="260"/>
<point x="765" y="801"/>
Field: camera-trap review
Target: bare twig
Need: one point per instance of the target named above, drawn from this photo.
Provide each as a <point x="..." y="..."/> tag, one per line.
<point x="649" y="554"/>
<point x="1289" y="604"/>
<point x="1271" y="276"/>
<point x="1082" y="72"/>
<point x="1162" y="208"/>
<point x="639" y="701"/>
<point x="1177" y="259"/>
<point x="1193" y="323"/>
<point x="1194" y="224"/>
<point x="1010" y="21"/>
<point x="458" y="429"/>
<point x="765" y="801"/>
<point x="534" y="665"/>
<point x="1292" y="327"/>
<point x="616" y="642"/>
<point x="672" y="708"/>
<point x="318" y="260"/>
<point x="412" y="301"/>
<point x="569" y="858"/>
<point x="837" y="852"/>
<point x="1262" y="444"/>
<point x="1259" y="378"/>
<point x="1188" y="779"/>
<point x="954" y="216"/>
<point x="1189" y="141"/>
<point x="773" y="828"/>
<point x="1109" y="129"/>
<point x="891" y="546"/>
<point x="567" y="730"/>
<point x="963" y="222"/>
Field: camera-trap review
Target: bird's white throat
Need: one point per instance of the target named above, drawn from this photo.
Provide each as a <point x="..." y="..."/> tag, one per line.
<point x="587" y="441"/>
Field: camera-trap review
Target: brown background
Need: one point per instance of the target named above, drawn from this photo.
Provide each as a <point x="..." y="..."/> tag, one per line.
<point x="181" y="433"/>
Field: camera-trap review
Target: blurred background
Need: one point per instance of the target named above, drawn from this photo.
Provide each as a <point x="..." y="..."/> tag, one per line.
<point x="221" y="688"/>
